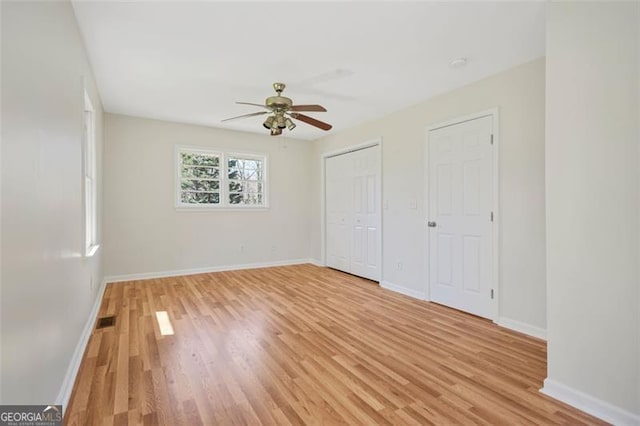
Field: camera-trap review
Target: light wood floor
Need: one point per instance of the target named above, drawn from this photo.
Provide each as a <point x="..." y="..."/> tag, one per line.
<point x="302" y="344"/>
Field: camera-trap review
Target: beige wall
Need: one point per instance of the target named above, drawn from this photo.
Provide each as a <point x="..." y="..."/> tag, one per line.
<point x="46" y="283"/>
<point x="519" y="95"/>
<point x="144" y="233"/>
<point x="593" y="198"/>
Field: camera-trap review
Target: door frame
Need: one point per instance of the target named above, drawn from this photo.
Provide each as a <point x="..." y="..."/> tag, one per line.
<point x="323" y="214"/>
<point x="495" y="203"/>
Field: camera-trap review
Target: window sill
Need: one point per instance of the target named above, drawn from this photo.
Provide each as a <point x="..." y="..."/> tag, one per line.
<point x="91" y="251"/>
<point x="221" y="209"/>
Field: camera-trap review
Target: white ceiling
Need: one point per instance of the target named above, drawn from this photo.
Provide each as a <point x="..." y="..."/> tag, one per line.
<point x="190" y="61"/>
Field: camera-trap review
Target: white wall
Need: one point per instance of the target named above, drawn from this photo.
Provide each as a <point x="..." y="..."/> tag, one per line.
<point x="519" y="95"/>
<point x="46" y="293"/>
<point x="593" y="212"/>
<point x="144" y="233"/>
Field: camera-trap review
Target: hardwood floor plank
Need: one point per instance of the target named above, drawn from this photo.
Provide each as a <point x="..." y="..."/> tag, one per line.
<point x="303" y="345"/>
<point x="121" y="404"/>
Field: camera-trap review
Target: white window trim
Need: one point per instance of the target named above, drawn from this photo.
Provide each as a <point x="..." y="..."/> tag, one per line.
<point x="89" y="172"/>
<point x="224" y="181"/>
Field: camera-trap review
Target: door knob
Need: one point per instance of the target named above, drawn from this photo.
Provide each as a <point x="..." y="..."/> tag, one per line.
<point x="431" y="224"/>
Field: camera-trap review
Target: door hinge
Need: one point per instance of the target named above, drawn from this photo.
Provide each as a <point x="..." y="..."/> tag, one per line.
<point x="492" y="139"/>
<point x="491" y="216"/>
<point x="492" y="293"/>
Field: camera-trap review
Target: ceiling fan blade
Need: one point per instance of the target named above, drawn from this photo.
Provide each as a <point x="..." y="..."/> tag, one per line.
<point x="309" y="120"/>
<point x="247" y="115"/>
<point x="252" y="104"/>
<point x="317" y="108"/>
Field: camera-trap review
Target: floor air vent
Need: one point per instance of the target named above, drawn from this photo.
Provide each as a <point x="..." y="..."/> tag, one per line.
<point x="106" y="322"/>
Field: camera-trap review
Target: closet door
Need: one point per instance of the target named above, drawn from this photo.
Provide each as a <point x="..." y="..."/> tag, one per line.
<point x="338" y="213"/>
<point x="353" y="212"/>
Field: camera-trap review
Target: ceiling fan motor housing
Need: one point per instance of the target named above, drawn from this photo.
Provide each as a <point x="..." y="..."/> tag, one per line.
<point x="278" y="103"/>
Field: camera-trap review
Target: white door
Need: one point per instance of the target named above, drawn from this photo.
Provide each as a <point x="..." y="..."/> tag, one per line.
<point x="460" y="217"/>
<point x="338" y="214"/>
<point x="353" y="212"/>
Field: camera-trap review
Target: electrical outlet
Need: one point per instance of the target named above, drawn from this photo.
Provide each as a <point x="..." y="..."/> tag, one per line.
<point x="399" y="266"/>
<point x="241" y="248"/>
<point x="274" y="248"/>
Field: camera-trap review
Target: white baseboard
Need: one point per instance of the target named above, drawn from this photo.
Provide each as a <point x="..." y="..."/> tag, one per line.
<point x="179" y="272"/>
<point x="522" y="327"/>
<point x="416" y="294"/>
<point x="317" y="262"/>
<point x="589" y="404"/>
<point x="70" y="377"/>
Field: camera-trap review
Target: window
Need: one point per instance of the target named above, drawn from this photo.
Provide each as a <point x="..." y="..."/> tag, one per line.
<point x="199" y="178"/>
<point x="89" y="165"/>
<point x="217" y="179"/>
<point x="246" y="180"/>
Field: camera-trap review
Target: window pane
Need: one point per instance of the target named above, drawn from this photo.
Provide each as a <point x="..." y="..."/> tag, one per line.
<point x="245" y="174"/>
<point x="244" y="169"/>
<point x="235" y="186"/>
<point x="246" y="187"/>
<point x="200" y="172"/>
<point x="192" y="159"/>
<point x="235" y="199"/>
<point x="243" y="163"/>
<point x="253" y="199"/>
<point x="88" y="194"/>
<point x="200" y="185"/>
<point x="89" y="139"/>
<point x="200" y="197"/>
<point x="246" y="199"/>
<point x="253" y="187"/>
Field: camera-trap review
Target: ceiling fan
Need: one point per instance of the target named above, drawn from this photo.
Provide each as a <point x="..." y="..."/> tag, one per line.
<point x="281" y="110"/>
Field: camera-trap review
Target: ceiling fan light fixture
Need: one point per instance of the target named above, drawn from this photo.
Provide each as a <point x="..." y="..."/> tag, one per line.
<point x="268" y="123"/>
<point x="280" y="111"/>
<point x="290" y="124"/>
